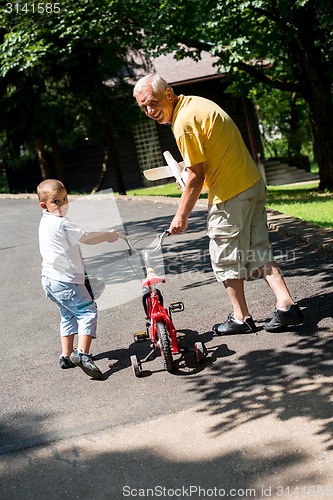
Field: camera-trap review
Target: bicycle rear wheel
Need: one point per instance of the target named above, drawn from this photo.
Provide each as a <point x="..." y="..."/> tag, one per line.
<point x="165" y="346"/>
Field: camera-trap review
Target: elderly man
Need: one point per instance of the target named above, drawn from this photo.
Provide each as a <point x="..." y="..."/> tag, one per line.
<point x="215" y="154"/>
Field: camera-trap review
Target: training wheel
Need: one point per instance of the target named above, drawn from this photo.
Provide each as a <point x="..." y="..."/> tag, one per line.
<point x="135" y="365"/>
<point x="200" y="351"/>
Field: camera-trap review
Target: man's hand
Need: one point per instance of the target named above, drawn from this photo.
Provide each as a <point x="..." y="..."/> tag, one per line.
<point x="178" y="225"/>
<point x="189" y="197"/>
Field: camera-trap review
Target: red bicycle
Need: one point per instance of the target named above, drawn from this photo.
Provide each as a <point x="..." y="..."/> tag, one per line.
<point x="159" y="325"/>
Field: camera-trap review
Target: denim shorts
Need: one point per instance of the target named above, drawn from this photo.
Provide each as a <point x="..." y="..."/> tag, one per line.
<point x="77" y="309"/>
<point x="237" y="228"/>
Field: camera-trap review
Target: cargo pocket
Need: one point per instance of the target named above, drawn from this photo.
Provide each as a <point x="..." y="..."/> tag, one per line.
<point x="224" y="245"/>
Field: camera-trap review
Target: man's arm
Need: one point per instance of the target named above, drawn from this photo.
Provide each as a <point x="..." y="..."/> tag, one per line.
<point x="188" y="200"/>
<point x="94" y="238"/>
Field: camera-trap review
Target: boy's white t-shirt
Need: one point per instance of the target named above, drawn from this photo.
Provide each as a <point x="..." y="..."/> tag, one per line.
<point x="59" y="248"/>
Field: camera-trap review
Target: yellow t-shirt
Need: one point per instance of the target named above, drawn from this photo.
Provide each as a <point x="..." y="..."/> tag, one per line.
<point x="206" y="134"/>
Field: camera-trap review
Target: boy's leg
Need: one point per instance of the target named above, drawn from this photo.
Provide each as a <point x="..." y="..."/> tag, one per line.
<point x="56" y="291"/>
<point x="85" y="311"/>
<point x="67" y="344"/>
<point x="84" y="343"/>
<point x="78" y="314"/>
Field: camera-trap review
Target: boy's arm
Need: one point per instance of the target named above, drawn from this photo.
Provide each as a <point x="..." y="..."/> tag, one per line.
<point x="93" y="238"/>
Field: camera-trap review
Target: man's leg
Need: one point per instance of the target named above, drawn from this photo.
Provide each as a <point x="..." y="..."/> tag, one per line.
<point x="239" y="321"/>
<point x="235" y="290"/>
<point x="229" y="229"/>
<point x="287" y="313"/>
<point x="272" y="275"/>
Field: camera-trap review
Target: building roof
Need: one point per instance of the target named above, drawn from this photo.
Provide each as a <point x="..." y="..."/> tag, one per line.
<point x="187" y="69"/>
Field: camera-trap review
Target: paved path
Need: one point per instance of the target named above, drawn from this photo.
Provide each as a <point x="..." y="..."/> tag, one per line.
<point x="255" y="421"/>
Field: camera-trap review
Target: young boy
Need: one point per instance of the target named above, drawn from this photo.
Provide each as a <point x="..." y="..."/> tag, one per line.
<point x="63" y="275"/>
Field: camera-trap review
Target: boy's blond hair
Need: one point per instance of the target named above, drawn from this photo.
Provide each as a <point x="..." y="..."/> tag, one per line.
<point x="46" y="187"/>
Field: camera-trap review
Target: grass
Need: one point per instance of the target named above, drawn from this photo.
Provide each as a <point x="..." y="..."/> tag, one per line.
<point x="303" y="201"/>
<point x="170" y="190"/>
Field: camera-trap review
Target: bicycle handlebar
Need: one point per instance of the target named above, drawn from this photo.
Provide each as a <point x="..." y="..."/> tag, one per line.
<point x="150" y="250"/>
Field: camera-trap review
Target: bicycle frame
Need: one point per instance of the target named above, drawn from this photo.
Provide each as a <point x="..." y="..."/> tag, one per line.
<point x="159" y="326"/>
<point x="153" y="299"/>
<point x="156" y="313"/>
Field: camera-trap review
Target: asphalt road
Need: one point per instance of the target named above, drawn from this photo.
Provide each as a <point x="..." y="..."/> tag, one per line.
<point x="255" y="420"/>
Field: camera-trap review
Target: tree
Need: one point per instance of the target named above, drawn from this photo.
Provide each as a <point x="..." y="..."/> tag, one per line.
<point x="282" y="44"/>
<point x="283" y="121"/>
<point x="62" y="60"/>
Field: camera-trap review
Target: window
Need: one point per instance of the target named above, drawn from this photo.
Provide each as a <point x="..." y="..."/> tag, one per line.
<point x="147" y="145"/>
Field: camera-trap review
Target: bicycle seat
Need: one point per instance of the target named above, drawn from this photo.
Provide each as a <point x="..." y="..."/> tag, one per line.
<point x="152" y="278"/>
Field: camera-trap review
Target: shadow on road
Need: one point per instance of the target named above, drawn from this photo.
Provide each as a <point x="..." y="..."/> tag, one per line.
<point x="289" y="380"/>
<point x="148" y="473"/>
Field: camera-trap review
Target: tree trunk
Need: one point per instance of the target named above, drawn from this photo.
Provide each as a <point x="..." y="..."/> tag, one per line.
<point x="41" y="157"/>
<point x="312" y="73"/>
<point x="113" y="156"/>
<point x="101" y="179"/>
<point x="57" y="156"/>
<point x="321" y="114"/>
<point x="295" y="138"/>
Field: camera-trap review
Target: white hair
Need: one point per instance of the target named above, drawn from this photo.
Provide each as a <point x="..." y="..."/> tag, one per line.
<point x="156" y="81"/>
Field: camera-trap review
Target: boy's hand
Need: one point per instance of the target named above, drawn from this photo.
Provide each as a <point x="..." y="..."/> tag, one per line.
<point x="112" y="236"/>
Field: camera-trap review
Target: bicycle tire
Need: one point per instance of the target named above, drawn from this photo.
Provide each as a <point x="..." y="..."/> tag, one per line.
<point x="165" y="346"/>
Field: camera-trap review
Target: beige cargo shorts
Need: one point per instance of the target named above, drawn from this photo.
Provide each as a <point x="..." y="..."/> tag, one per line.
<point x="239" y="242"/>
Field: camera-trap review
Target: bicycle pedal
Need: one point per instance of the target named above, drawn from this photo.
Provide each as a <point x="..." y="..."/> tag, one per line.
<point x="140" y="337"/>
<point x="176" y="307"/>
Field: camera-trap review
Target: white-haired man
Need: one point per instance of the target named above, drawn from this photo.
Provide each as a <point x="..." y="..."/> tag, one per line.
<point x="215" y="154"/>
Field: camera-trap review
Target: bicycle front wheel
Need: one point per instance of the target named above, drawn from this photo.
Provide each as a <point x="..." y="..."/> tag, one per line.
<point x="165" y="346"/>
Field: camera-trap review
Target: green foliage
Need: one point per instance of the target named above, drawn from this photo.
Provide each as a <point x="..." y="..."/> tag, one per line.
<point x="53" y="73"/>
<point x="283" y="45"/>
<point x="255" y="33"/>
<point x="53" y="66"/>
<point x="283" y="121"/>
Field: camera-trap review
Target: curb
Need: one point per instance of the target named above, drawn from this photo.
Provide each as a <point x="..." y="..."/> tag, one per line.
<point x="316" y="237"/>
